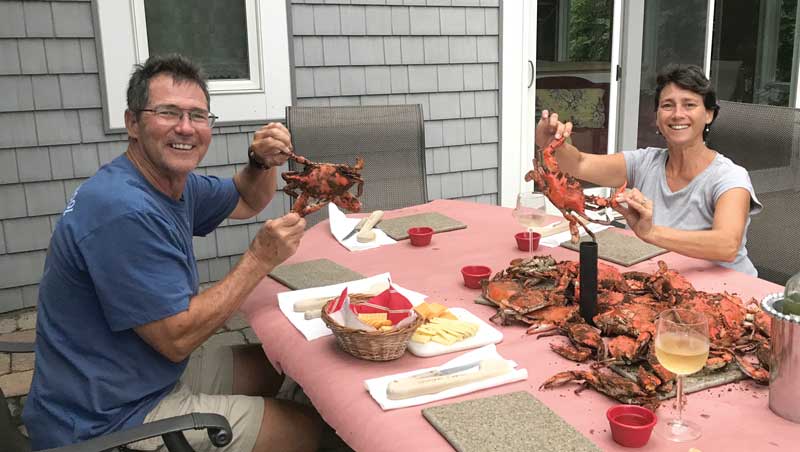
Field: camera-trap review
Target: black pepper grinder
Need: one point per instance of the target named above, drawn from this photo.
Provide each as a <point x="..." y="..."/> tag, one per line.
<point x="588" y="281"/>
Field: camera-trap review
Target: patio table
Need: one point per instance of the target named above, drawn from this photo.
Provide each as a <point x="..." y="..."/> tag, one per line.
<point x="733" y="417"/>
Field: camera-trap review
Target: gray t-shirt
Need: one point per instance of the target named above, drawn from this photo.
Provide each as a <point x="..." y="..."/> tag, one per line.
<point x="692" y="207"/>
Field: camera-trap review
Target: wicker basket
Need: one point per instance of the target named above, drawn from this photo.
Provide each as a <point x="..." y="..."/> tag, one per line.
<point x="372" y="345"/>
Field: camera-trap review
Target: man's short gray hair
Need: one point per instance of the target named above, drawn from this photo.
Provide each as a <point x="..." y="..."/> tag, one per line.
<point x="180" y="68"/>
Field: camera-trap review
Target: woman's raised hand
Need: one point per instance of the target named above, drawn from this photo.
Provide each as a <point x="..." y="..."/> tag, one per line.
<point x="638" y="213"/>
<point x="549" y="128"/>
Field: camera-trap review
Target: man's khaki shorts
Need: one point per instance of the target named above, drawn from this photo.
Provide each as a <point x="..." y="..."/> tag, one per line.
<point x="205" y="387"/>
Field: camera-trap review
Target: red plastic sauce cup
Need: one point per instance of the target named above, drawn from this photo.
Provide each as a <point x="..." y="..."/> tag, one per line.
<point x="524" y="241"/>
<point x="420" y="236"/>
<point x="631" y="425"/>
<point x="473" y="274"/>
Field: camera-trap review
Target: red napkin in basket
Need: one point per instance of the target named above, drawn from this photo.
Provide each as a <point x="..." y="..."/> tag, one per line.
<point x="393" y="303"/>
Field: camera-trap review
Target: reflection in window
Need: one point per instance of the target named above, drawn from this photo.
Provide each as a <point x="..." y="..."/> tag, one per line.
<point x="547" y="30"/>
<point x="574" y="30"/>
<point x="590" y="30"/>
<point x="674" y="32"/>
<point x="753" y="49"/>
<point x="211" y="33"/>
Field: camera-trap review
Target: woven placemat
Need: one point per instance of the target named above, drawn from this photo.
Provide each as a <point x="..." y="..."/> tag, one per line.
<point x="514" y="422"/>
<point x="622" y="249"/>
<point x="396" y="227"/>
<point x="316" y="273"/>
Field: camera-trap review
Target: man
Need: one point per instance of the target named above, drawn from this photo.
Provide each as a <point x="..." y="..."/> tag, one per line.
<point x="119" y="306"/>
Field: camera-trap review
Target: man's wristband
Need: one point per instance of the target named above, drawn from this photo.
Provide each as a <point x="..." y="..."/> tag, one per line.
<point x="251" y="156"/>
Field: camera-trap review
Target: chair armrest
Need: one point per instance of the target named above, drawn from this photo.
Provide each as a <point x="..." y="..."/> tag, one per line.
<point x="219" y="432"/>
<point x="16" y="347"/>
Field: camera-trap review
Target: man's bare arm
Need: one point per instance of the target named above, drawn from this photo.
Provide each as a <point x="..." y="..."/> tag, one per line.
<point x="177" y="336"/>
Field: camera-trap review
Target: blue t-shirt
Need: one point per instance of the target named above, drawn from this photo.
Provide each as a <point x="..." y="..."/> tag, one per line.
<point x="121" y="256"/>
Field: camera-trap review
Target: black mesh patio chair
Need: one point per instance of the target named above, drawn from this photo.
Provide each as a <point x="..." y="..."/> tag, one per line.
<point x="765" y="139"/>
<point x="170" y="429"/>
<point x="390" y="139"/>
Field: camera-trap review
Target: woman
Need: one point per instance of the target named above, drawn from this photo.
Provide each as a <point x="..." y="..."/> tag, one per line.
<point x="686" y="198"/>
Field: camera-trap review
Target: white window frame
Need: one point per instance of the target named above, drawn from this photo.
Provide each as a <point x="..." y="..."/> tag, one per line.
<point x="122" y="41"/>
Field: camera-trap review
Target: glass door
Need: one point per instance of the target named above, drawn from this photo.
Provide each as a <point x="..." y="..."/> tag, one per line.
<point x="576" y="68"/>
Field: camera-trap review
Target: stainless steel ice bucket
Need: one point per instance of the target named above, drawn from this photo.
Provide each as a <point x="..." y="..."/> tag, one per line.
<point x="784" y="371"/>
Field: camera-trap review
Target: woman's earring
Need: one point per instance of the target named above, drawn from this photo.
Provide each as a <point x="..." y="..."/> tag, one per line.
<point x="708" y="129"/>
<point x="658" y="131"/>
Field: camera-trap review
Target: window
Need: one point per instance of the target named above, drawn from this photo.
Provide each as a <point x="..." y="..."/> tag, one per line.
<point x="242" y="44"/>
<point x="222" y="49"/>
<point x="753" y="51"/>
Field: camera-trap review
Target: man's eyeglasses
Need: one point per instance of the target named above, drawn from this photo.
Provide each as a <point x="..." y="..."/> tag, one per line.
<point x="173" y="115"/>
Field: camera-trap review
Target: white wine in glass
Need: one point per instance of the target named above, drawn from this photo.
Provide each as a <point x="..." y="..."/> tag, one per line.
<point x="682" y="348"/>
<point x="530" y="212"/>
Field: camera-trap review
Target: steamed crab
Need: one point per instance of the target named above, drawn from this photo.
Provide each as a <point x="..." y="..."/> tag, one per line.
<point x="320" y="183"/>
<point x="542" y="294"/>
<point x="610" y="384"/>
<point x="565" y="192"/>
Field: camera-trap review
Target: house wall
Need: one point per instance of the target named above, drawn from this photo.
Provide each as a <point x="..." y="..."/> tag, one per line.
<point x="442" y="54"/>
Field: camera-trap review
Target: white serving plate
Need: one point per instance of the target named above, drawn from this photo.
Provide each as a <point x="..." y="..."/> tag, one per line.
<point x="486" y="334"/>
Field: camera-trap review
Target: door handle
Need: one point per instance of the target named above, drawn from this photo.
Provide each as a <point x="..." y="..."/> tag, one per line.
<point x="530" y="82"/>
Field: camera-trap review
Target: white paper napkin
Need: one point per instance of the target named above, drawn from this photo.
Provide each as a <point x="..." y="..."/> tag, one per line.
<point x="316" y="328"/>
<point x="377" y="386"/>
<point x="557" y="239"/>
<point x="342" y="225"/>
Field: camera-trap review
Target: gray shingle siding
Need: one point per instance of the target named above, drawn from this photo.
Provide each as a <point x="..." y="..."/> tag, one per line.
<point x="9" y="57"/>
<point x="8" y="166"/>
<point x="17" y="93"/>
<point x="32" y="56"/>
<point x="34" y="164"/>
<point x="52" y="139"/>
<point x="12" y="19"/>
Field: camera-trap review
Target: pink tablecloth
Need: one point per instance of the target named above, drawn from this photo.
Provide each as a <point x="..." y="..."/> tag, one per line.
<point x="734" y="417"/>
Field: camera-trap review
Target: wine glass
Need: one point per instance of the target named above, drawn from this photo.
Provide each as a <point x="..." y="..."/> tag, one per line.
<point x="530" y="212"/>
<point x="682" y="348"/>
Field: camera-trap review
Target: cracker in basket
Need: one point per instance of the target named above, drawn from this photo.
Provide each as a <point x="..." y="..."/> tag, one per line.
<point x="375" y="320"/>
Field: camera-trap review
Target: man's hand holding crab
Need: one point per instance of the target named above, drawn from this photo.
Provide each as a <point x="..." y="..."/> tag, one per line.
<point x="272" y="145"/>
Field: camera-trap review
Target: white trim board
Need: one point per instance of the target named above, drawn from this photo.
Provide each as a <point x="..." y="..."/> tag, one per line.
<point x="513" y="111"/>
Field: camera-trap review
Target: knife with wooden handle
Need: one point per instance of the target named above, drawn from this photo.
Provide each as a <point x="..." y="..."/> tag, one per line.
<point x="311" y="304"/>
<point x="312" y="314"/>
<point x="415" y="386"/>
<point x="355" y="229"/>
<point x="366" y="234"/>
